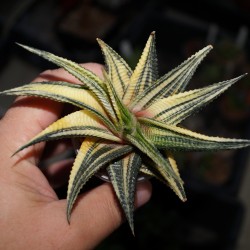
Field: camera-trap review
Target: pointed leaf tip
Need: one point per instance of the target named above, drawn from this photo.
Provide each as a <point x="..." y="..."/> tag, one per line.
<point x="68" y="216"/>
<point x="19" y="44"/>
<point x="31" y="49"/>
<point x="99" y="40"/>
<point x="207" y="48"/>
<point x="15" y="153"/>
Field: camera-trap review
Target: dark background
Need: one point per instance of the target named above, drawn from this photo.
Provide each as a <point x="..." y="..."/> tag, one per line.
<point x="213" y="216"/>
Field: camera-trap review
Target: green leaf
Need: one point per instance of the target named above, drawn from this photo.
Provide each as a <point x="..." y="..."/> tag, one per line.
<point x="92" y="81"/>
<point x="120" y="110"/>
<point x="171" y="137"/>
<point x="125" y="117"/>
<point x="65" y="92"/>
<point x="149" y="170"/>
<point x="162" y="165"/>
<point x="128" y="122"/>
<point x="118" y="70"/>
<point x="172" y="83"/>
<point x="91" y="156"/>
<point x="78" y="124"/>
<point x="123" y="175"/>
<point x="145" y="72"/>
<point x="174" y="109"/>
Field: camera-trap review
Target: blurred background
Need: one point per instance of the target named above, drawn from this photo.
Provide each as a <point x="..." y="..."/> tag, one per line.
<point x="216" y="215"/>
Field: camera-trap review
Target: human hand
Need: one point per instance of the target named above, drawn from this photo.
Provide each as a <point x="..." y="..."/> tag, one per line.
<point x="31" y="215"/>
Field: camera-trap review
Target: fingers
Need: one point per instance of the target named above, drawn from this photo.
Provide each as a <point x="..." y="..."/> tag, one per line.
<point x="29" y="115"/>
<point x="97" y="213"/>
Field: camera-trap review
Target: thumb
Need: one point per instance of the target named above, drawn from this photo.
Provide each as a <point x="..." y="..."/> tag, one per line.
<point x="97" y="213"/>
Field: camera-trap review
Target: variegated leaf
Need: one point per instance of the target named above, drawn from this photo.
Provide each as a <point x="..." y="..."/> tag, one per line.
<point x="91" y="156"/>
<point x="92" y="81"/>
<point x="129" y="120"/>
<point x="149" y="169"/>
<point x="172" y="83"/>
<point x="78" y="124"/>
<point x="123" y="175"/>
<point x="172" y="162"/>
<point x="123" y="114"/>
<point x="171" y="137"/>
<point x="145" y="72"/>
<point x="176" y="108"/>
<point x="65" y="92"/>
<point x="118" y="70"/>
<point x="162" y="165"/>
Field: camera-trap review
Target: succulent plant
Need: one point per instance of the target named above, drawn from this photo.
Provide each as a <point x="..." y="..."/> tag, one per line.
<point x="128" y="122"/>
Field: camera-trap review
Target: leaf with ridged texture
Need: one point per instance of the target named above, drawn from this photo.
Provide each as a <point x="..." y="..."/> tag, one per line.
<point x="123" y="175"/>
<point x="172" y="162"/>
<point x="162" y="165"/>
<point x="149" y="170"/>
<point x="78" y="124"/>
<point x="145" y="72"/>
<point x="171" y="137"/>
<point x="176" y="184"/>
<point x="172" y="83"/>
<point x="91" y="156"/>
<point x="65" y="92"/>
<point x="127" y="124"/>
<point x="154" y="74"/>
<point x="91" y="80"/>
<point x="124" y="115"/>
<point x="176" y="108"/>
<point x="118" y="70"/>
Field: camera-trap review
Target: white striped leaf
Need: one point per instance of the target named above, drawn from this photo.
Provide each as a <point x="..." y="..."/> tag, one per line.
<point x="118" y="70"/>
<point x="91" y="157"/>
<point x="123" y="175"/>
<point x="172" y="162"/>
<point x="65" y="92"/>
<point x="176" y="108"/>
<point x="147" y="169"/>
<point x="125" y="117"/>
<point x="171" y="137"/>
<point x="92" y="81"/>
<point x="78" y="124"/>
<point x="162" y="165"/>
<point x="172" y="83"/>
<point x="145" y="72"/>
